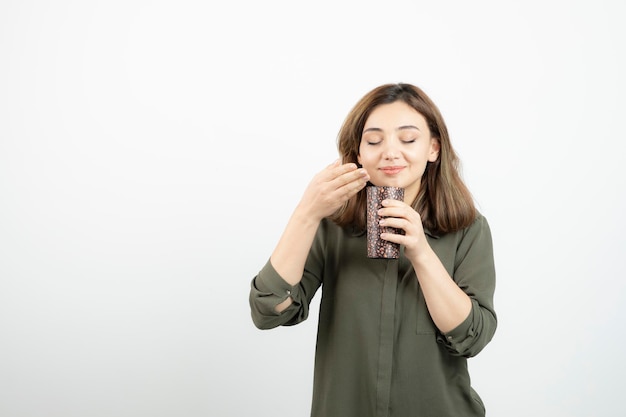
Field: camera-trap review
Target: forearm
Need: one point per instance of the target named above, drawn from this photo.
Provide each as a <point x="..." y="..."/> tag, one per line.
<point x="328" y="190"/>
<point x="291" y="252"/>
<point x="447" y="304"/>
<point x="294" y="245"/>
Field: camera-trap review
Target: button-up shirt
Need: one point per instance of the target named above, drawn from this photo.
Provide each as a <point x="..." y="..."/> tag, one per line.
<point x="378" y="352"/>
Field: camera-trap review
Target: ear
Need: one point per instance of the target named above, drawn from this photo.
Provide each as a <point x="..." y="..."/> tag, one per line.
<point x="435" y="147"/>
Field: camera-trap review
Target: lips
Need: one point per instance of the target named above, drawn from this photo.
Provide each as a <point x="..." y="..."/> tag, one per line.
<point x="391" y="170"/>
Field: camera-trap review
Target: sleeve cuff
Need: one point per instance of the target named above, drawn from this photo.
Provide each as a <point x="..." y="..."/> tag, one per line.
<point x="269" y="281"/>
<point x="460" y="332"/>
<point x="459" y="339"/>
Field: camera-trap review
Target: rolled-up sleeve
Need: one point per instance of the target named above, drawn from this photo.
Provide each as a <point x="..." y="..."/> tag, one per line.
<point x="268" y="289"/>
<point x="474" y="273"/>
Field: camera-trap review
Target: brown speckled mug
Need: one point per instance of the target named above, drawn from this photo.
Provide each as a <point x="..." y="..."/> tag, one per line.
<point x="377" y="247"/>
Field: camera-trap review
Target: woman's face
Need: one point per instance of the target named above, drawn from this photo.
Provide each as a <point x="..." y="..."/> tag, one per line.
<point x="395" y="146"/>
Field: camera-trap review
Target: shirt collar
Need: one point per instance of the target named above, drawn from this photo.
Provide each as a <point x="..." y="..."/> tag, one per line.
<point x="431" y="234"/>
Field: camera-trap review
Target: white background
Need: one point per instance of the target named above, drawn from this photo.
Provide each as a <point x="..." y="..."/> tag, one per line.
<point x="152" y="151"/>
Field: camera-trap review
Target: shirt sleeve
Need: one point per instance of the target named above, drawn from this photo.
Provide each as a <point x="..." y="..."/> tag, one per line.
<point x="474" y="273"/>
<point x="268" y="289"/>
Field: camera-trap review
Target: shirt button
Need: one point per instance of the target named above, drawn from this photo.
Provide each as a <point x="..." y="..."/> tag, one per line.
<point x="288" y="292"/>
<point x="449" y="337"/>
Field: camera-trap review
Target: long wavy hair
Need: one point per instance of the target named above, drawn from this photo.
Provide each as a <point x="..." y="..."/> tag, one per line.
<point x="443" y="201"/>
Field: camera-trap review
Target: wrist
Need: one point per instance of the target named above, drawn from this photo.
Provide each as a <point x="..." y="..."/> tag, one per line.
<point x="305" y="218"/>
<point x="306" y="215"/>
<point x="423" y="256"/>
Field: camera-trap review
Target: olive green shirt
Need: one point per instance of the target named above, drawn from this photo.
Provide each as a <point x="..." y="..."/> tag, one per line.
<point x="378" y="352"/>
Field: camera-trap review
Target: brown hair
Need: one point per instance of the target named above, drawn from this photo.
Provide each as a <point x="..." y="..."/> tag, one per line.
<point x="443" y="201"/>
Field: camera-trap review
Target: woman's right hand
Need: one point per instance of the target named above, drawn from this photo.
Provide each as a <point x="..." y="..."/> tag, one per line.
<point x="326" y="192"/>
<point x="332" y="187"/>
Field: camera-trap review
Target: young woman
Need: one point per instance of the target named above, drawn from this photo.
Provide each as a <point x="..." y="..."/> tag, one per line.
<point x="394" y="335"/>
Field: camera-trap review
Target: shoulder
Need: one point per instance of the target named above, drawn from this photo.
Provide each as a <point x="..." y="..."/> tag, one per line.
<point x="479" y="225"/>
<point x="476" y="235"/>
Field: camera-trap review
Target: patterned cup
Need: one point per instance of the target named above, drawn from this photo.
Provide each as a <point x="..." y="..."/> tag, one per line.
<point x="377" y="247"/>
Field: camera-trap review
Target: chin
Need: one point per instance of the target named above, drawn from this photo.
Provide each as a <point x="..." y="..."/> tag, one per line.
<point x="387" y="183"/>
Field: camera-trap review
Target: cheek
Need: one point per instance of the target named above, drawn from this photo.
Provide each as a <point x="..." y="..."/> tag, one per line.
<point x="365" y="159"/>
<point x="365" y="154"/>
<point x="361" y="157"/>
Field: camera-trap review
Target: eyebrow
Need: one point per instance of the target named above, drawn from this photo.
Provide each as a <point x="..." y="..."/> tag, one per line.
<point x="377" y="129"/>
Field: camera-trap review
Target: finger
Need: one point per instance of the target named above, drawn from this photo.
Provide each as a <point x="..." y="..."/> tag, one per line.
<point x="394" y="211"/>
<point x="352" y="180"/>
<point x="397" y="208"/>
<point x="343" y="169"/>
<point x="388" y="202"/>
<point x="396" y="223"/>
<point x="357" y="175"/>
<point x="335" y="163"/>
<point x="351" y="188"/>
<point x="410" y="223"/>
<point x="336" y="169"/>
<point x="393" y="237"/>
<point x="326" y="173"/>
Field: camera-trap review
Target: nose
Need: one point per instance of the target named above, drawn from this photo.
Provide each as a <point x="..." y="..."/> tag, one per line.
<point x="390" y="151"/>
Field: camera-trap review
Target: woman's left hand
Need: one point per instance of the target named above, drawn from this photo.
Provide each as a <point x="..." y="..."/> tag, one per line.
<point x="400" y="215"/>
